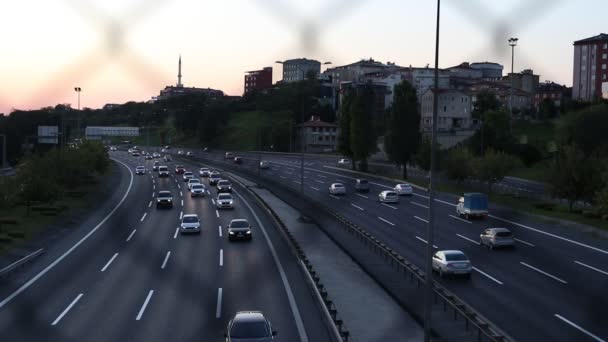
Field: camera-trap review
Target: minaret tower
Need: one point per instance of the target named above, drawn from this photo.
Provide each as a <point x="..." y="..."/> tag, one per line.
<point x="179" y="73"/>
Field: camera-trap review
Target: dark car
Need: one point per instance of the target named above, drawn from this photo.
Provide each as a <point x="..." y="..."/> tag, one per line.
<point x="239" y="229"/>
<point x="180" y="169"/>
<point x="214" y="178"/>
<point x="224" y="186"/>
<point x="164" y="199"/>
<point x="238" y="160"/>
<point x="362" y="185"/>
<point x="249" y="326"/>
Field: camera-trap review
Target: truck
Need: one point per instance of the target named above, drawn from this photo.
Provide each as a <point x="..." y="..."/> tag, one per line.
<point x="472" y="204"/>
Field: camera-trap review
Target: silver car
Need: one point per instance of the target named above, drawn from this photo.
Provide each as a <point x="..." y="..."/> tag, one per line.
<point x="224" y="201"/>
<point x="404" y="189"/>
<point x="388" y="196"/>
<point x="204" y="172"/>
<point x="187" y="175"/>
<point x="190" y="224"/>
<point x="264" y="164"/>
<point x="451" y="262"/>
<point x="193" y="181"/>
<point x="249" y="326"/>
<point x="140" y="170"/>
<point x="337" y="189"/>
<point x="497" y="237"/>
<point x="197" y="190"/>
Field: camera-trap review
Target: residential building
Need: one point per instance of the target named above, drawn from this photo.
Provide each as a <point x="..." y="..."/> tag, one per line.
<point x="355" y="72"/>
<point x="525" y="80"/>
<point x="550" y="90"/>
<point x="297" y="69"/>
<point x="489" y="70"/>
<point x="454" y="109"/>
<point x="258" y="79"/>
<point x="317" y="135"/>
<point x="423" y="79"/>
<point x="464" y="70"/>
<point x="521" y="99"/>
<point x="590" y="67"/>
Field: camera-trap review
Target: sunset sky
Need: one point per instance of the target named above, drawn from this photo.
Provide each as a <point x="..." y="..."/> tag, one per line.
<point x="125" y="50"/>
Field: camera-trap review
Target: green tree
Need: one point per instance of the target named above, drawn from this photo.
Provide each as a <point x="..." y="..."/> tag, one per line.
<point x="402" y="136"/>
<point x="458" y="164"/>
<point x="493" y="166"/>
<point x="547" y="109"/>
<point x="495" y="133"/>
<point x="586" y="129"/>
<point x="33" y="187"/>
<point x="422" y="158"/>
<point x="362" y="132"/>
<point x="486" y="100"/>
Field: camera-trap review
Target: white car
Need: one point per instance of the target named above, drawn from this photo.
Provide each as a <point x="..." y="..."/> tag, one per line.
<point x="451" y="262"/>
<point x="204" y="172"/>
<point x="180" y="153"/>
<point x="404" y="189"/>
<point x="197" y="190"/>
<point x="337" y="189"/>
<point x="193" y="181"/>
<point x="164" y="150"/>
<point x="189" y="154"/>
<point x="264" y="164"/>
<point x="187" y="175"/>
<point x="140" y="170"/>
<point x="112" y="148"/>
<point x="190" y="224"/>
<point x="224" y="201"/>
<point x="344" y="162"/>
<point x="388" y="196"/>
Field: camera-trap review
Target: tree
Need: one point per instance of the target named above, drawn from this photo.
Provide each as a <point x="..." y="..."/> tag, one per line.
<point x="344" y="145"/>
<point x="486" y="100"/>
<point x="586" y="129"/>
<point x="402" y="137"/>
<point x="362" y="132"/>
<point x="547" y="109"/>
<point x="496" y="133"/>
<point x="422" y="158"/>
<point x="457" y="165"/>
<point x="493" y="166"/>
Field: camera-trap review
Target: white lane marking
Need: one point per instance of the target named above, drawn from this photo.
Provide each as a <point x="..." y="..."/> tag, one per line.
<point x="297" y="182"/>
<point x="421" y="219"/>
<point x="306" y="171"/>
<point x="69" y="251"/>
<point x="580" y="328"/>
<point x="65" y="311"/>
<point x="312" y="187"/>
<point x="524" y="242"/>
<point x="131" y="235"/>
<point x="543" y="272"/>
<point x="292" y="302"/>
<point x="387" y="221"/>
<point x="217" y="213"/>
<point x="460" y="219"/>
<point x="213" y="201"/>
<point x="181" y="214"/>
<point x="153" y="187"/>
<point x="321" y="176"/>
<point x="143" y="217"/>
<point x="283" y="177"/>
<point x="334" y="196"/>
<point x="487" y="275"/>
<point x="361" y="195"/>
<point x="219" y="230"/>
<point x="181" y="194"/>
<point x="150" y="204"/>
<point x="162" y="267"/>
<point x="218" y="309"/>
<point x="591" y="267"/>
<point x="418" y="204"/>
<point x="109" y="262"/>
<point x="221" y="257"/>
<point x="318" y="181"/>
<point x="423" y="240"/>
<point x="176" y="231"/>
<point x="356" y="206"/>
<point x="427" y="197"/>
<point x="390" y="206"/>
<point x="182" y="203"/>
<point x="153" y="194"/>
<point x="466" y="238"/>
<point x="208" y="193"/>
<point x="143" y="307"/>
<point x="179" y="186"/>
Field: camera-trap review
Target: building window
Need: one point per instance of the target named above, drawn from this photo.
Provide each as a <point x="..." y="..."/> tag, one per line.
<point x="603" y="66"/>
<point x="604" y="55"/>
<point x="605" y="45"/>
<point x="445" y="109"/>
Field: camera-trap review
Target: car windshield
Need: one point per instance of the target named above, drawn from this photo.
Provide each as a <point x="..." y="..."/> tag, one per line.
<point x="224" y="182"/>
<point x="164" y="194"/>
<point x="239" y="224"/>
<point x="194" y="180"/>
<point x="190" y="219"/>
<point x="162" y="168"/>
<point x="188" y="173"/>
<point x="455" y="257"/>
<point x="224" y="197"/>
<point x="363" y="181"/>
<point x="338" y="186"/>
<point x="390" y="194"/>
<point x="249" y="330"/>
<point x="197" y="187"/>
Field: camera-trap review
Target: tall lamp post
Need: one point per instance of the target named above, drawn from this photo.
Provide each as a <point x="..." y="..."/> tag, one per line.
<point x="513" y="44"/>
<point x="3" y="150"/>
<point x="431" y="222"/>
<point x="78" y="90"/>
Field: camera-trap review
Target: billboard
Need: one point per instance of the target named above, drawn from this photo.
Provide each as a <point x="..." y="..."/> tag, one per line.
<point x="99" y="132"/>
<point x="48" y="135"/>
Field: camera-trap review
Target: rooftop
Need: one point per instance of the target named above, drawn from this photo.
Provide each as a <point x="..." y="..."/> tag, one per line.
<point x="602" y="37"/>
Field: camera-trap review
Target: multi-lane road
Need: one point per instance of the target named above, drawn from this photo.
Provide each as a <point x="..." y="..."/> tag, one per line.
<point x="551" y="287"/>
<point x="126" y="274"/>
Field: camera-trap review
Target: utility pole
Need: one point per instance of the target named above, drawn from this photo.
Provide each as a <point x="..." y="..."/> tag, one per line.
<point x="431" y="224"/>
<point x="513" y="44"/>
<point x="3" y="150"/>
<point x="259" y="150"/>
<point x="78" y="133"/>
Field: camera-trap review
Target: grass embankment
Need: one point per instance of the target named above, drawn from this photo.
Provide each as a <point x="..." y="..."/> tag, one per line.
<point x="540" y="135"/>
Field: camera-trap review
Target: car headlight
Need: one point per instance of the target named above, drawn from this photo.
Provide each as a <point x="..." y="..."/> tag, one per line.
<point x="231" y="233"/>
<point x="170" y="199"/>
<point x="248" y="232"/>
<point x="229" y="187"/>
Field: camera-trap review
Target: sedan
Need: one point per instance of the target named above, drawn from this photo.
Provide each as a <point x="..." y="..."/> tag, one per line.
<point x="224" y="186"/>
<point x="452" y="262"/>
<point x="344" y="162"/>
<point x="180" y="169"/>
<point x="214" y="178"/>
<point x="239" y="229"/>
<point x="388" y="196"/>
<point x="140" y="170"/>
<point x="337" y="189"/>
<point x="404" y="189"/>
<point x="190" y="224"/>
<point x="187" y="175"/>
<point x="238" y="160"/>
<point x="149" y="157"/>
<point x="189" y="154"/>
<point x="264" y="164"/>
<point x="180" y="153"/>
<point x="497" y="237"/>
<point x="197" y="190"/>
<point x="204" y="172"/>
<point x="249" y="326"/>
<point x="156" y="165"/>
<point x="224" y="201"/>
<point x="167" y="158"/>
<point x="112" y="148"/>
<point x="193" y="181"/>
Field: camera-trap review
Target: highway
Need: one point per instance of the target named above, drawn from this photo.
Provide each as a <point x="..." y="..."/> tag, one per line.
<point x="127" y="274"/>
<point x="551" y="287"/>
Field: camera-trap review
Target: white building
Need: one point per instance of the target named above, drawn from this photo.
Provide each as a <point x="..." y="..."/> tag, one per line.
<point x="454" y="110"/>
<point x="297" y="69"/>
<point x="423" y="79"/>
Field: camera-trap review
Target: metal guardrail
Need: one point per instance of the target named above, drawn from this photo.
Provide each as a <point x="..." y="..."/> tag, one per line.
<point x="15" y="265"/>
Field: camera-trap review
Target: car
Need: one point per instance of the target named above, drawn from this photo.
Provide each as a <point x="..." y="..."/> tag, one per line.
<point x="497" y="237"/>
<point x="155" y="155"/>
<point x="193" y="181"/>
<point x="197" y="190"/>
<point x="149" y="157"/>
<point x="156" y="165"/>
<point x="337" y="189"/>
<point x="404" y="189"/>
<point x="238" y="160"/>
<point x="163" y="171"/>
<point x="130" y="150"/>
<point x="239" y="229"/>
<point x="205" y="149"/>
<point x="228" y="155"/>
<point x="362" y="185"/>
<point x="388" y="196"/>
<point x="249" y="326"/>
<point x="344" y="162"/>
<point x="264" y="165"/>
<point x="224" y="185"/>
<point x="167" y="147"/>
<point x="112" y="148"/>
<point x="190" y="224"/>
<point x="164" y="199"/>
<point x="187" y="175"/>
<point x="140" y="170"/>
<point x="135" y="154"/>
<point x="451" y="262"/>
<point x="204" y="172"/>
<point x="189" y="154"/>
<point x="164" y="150"/>
<point x="214" y="177"/>
<point x="180" y="153"/>
<point x="179" y="169"/>
<point x="167" y="158"/>
<point x="224" y="201"/>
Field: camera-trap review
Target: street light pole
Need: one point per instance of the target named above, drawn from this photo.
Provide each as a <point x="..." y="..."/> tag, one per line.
<point x="78" y="90"/>
<point x="3" y="150"/>
<point x="431" y="224"/>
<point x="513" y="44"/>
